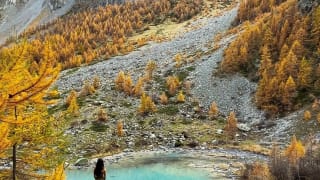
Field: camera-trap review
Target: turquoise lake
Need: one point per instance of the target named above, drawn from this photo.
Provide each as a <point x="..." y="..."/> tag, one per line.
<point x="167" y="168"/>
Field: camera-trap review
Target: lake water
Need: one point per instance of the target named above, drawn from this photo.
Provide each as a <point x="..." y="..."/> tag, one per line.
<point x="155" y="168"/>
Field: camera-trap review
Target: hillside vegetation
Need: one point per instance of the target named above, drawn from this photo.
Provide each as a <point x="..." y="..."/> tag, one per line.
<point x="95" y="33"/>
<point x="280" y="48"/>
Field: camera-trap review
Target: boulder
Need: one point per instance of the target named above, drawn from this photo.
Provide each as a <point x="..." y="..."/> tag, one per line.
<point x="82" y="162"/>
<point x="243" y="127"/>
<point x="219" y="131"/>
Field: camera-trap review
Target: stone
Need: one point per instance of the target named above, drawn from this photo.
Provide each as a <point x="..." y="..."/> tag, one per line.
<point x="219" y="131"/>
<point x="82" y="162"/>
<point x="243" y="127"/>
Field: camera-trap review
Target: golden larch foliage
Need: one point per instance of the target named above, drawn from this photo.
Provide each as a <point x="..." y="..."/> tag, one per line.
<point x="25" y="86"/>
<point x="120" y="131"/>
<point x="138" y="88"/>
<point x="54" y="94"/>
<point x="150" y="68"/>
<point x="102" y="115"/>
<point x="73" y="107"/>
<point x="307" y="115"/>
<point x="72" y="95"/>
<point x="87" y="89"/>
<point x="146" y="105"/>
<point x="260" y="171"/>
<point x="127" y="85"/>
<point x="178" y="59"/>
<point x="58" y="174"/>
<point x="231" y="125"/>
<point x="163" y="98"/>
<point x="181" y="97"/>
<point x="295" y="150"/>
<point x="172" y="84"/>
<point x="120" y="80"/>
<point x="96" y="82"/>
<point x="213" y="110"/>
<point x="4" y="141"/>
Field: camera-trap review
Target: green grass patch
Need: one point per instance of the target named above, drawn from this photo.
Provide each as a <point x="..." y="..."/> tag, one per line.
<point x="71" y="71"/>
<point x="99" y="127"/>
<point x="56" y="108"/>
<point x="191" y="68"/>
<point x="169" y="110"/>
<point x="126" y="104"/>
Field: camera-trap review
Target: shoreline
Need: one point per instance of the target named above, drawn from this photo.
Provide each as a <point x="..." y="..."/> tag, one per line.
<point x="217" y="162"/>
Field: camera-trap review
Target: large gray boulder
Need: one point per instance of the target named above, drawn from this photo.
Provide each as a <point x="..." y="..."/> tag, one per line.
<point x="82" y="162"/>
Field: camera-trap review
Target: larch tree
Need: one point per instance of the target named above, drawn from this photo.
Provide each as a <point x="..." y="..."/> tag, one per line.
<point x="127" y="85"/>
<point x="72" y="95"/>
<point x="305" y="74"/>
<point x="138" y="88"/>
<point x="23" y="111"/>
<point x="58" y="174"/>
<point x="4" y="141"/>
<point x="102" y="115"/>
<point x="120" y="80"/>
<point x="150" y="68"/>
<point x="96" y="82"/>
<point x="181" y="97"/>
<point x="289" y="92"/>
<point x="87" y="89"/>
<point x="146" y="105"/>
<point x="120" y="131"/>
<point x="172" y="84"/>
<point x="163" y="98"/>
<point x="231" y="126"/>
<point x="307" y="115"/>
<point x="73" y="108"/>
<point x="178" y="59"/>
<point x="295" y="150"/>
<point x="213" y="110"/>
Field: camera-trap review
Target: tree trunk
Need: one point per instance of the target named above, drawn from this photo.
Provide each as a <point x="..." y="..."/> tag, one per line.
<point x="14" y="161"/>
<point x="14" y="152"/>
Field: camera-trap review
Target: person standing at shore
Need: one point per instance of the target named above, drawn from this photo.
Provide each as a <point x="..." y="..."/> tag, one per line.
<point x="99" y="171"/>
